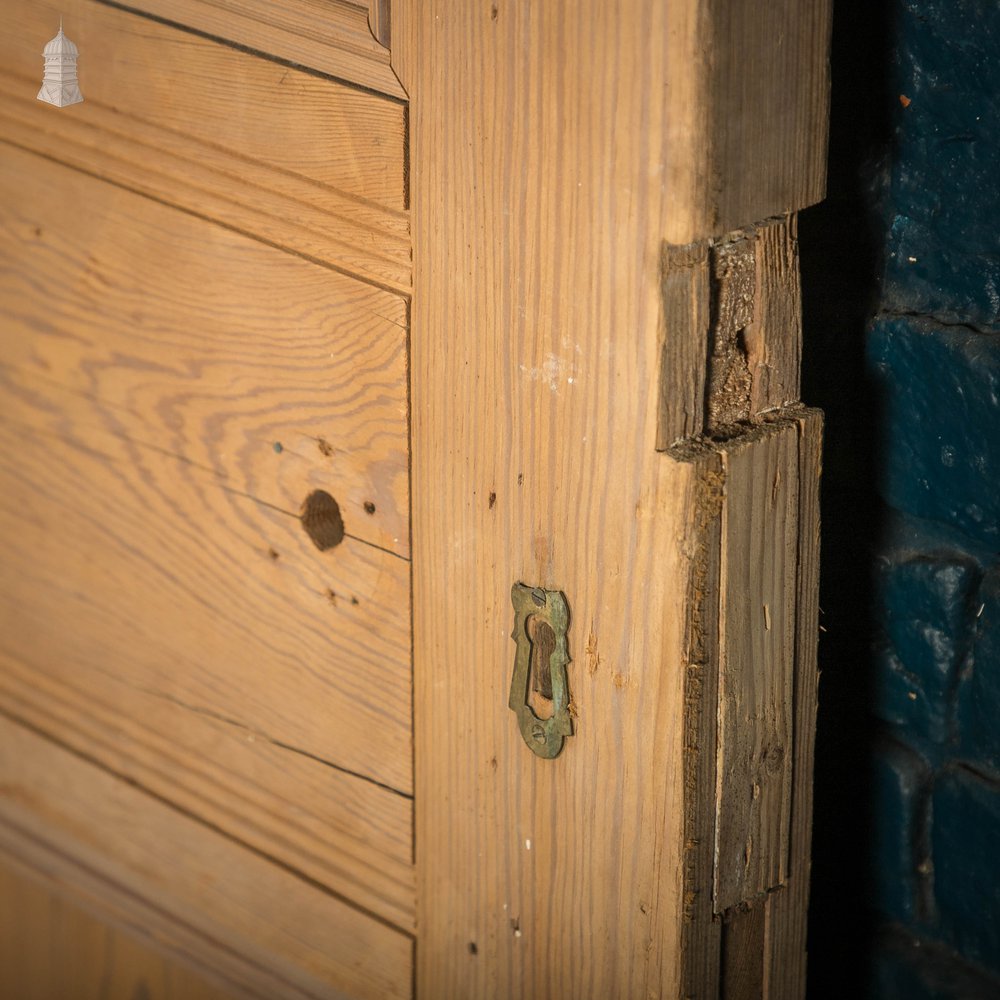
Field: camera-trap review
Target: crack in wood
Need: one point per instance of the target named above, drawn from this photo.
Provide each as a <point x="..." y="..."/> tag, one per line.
<point x="259" y="734"/>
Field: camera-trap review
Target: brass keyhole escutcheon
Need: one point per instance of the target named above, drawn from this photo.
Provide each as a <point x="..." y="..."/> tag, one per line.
<point x="539" y="691"/>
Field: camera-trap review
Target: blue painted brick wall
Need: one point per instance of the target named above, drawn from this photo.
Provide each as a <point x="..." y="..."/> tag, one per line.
<point x="944" y="200"/>
<point x="926" y="591"/>
<point x="933" y="358"/>
<point x="965" y="824"/>
<point x="938" y="390"/>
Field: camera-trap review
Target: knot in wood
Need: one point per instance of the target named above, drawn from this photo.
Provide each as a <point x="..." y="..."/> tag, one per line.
<point x="322" y="520"/>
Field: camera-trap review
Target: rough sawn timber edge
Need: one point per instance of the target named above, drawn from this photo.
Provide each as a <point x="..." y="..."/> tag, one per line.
<point x="758" y="949"/>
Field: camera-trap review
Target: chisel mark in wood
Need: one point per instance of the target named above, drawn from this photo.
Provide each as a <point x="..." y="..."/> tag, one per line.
<point x="732" y="298"/>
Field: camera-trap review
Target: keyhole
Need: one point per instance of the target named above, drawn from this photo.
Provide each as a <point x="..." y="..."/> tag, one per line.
<point x="543" y="644"/>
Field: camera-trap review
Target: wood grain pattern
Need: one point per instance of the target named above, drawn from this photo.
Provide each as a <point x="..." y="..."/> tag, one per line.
<point x="785" y="939"/>
<point x="217" y="715"/>
<point x="759" y="953"/>
<point x="380" y="21"/>
<point x="766" y="108"/>
<point x="535" y="374"/>
<point x="743" y="953"/>
<point x="545" y="179"/>
<point x="155" y="574"/>
<point x="702" y="931"/>
<point x="231" y="101"/>
<point x="185" y="886"/>
<point x="757" y="618"/>
<point x="555" y="148"/>
<point x="51" y="948"/>
<point x="346" y="38"/>
<point x="746" y="124"/>
<point x="264" y="148"/>
<point x="274" y="375"/>
<point x="737" y="129"/>
<point x="773" y="338"/>
<point x="345" y="833"/>
<point x="748" y="93"/>
<point x="687" y="291"/>
<point x="354" y="237"/>
<point x="169" y="567"/>
<point x="191" y="659"/>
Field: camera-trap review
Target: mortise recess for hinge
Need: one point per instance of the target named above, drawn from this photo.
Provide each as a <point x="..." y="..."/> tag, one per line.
<point x="732" y="331"/>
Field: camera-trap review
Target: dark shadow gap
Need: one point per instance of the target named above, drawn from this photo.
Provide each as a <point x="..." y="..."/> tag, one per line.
<point x="841" y="259"/>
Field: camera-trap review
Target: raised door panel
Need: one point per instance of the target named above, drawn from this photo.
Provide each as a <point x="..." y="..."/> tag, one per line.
<point x="301" y="160"/>
<point x="95" y="959"/>
<point x="348" y="39"/>
<point x="177" y="391"/>
<point x="186" y="886"/>
<point x="204" y="271"/>
<point x="269" y="373"/>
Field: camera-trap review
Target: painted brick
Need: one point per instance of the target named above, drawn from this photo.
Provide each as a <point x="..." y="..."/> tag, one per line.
<point x="978" y="714"/>
<point x="927" y="274"/>
<point x="933" y="356"/>
<point x="903" y="536"/>
<point x="923" y="608"/>
<point x="966" y="855"/>
<point x="899" y="698"/>
<point x="938" y="389"/>
<point x="908" y="967"/>
<point x="900" y="780"/>
<point x="942" y="253"/>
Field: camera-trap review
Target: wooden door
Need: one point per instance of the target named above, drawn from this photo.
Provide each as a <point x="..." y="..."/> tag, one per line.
<point x="248" y="714"/>
<point x="605" y="352"/>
